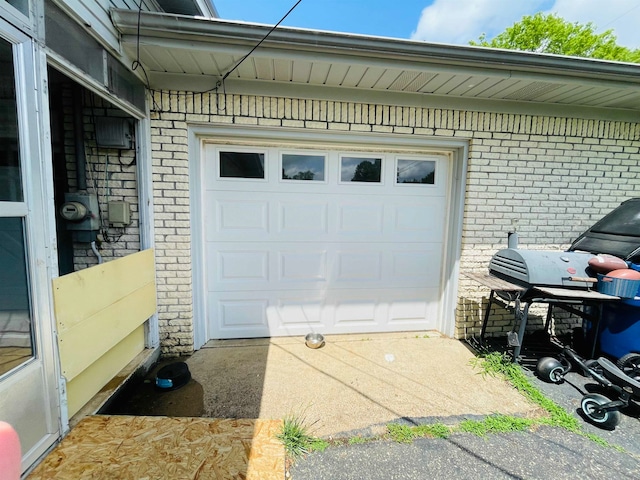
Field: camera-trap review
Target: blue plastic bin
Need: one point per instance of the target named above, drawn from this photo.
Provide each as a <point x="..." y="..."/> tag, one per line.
<point x="620" y="328"/>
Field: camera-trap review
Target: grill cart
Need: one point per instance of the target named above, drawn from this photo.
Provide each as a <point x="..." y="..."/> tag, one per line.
<point x="565" y="280"/>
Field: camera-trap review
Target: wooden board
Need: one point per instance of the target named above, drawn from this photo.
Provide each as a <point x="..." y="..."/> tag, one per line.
<point x="98" y="307"/>
<point x="493" y="282"/>
<point x="111" y="447"/>
<point x="88" y="340"/>
<point x="84" y="386"/>
<point x="82" y="294"/>
<point x="576" y="294"/>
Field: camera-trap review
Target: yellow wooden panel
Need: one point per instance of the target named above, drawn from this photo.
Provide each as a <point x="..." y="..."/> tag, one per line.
<point x="82" y="294"/>
<point x="82" y="388"/>
<point x="90" y="339"/>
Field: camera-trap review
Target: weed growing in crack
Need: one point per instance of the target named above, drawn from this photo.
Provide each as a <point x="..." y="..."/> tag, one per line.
<point x="500" y="364"/>
<point x="406" y="434"/>
<point x="495" y="424"/>
<point x="296" y="439"/>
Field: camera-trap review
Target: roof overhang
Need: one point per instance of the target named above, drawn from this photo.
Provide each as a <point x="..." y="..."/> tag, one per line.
<point x="187" y="53"/>
<point x="203" y="8"/>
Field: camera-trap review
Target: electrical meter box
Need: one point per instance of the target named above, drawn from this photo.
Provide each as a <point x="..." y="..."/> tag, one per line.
<point x="113" y="132"/>
<point x="81" y="212"/>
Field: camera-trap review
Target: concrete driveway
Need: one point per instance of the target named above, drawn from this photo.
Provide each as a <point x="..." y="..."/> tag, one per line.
<point x="355" y="384"/>
<point x="539" y="454"/>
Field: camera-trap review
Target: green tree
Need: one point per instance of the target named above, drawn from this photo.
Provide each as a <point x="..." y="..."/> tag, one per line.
<point x="552" y="34"/>
<point x="367" y="171"/>
<point x="308" y="175"/>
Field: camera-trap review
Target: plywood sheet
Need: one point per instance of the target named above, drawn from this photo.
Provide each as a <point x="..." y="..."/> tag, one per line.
<point x="98" y="307"/>
<point x="112" y="447"/>
<point x="84" y="386"/>
<point x="90" y="339"/>
<point x="82" y="294"/>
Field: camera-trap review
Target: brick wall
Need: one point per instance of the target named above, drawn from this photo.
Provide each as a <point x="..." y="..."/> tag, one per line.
<point x="111" y="174"/>
<point x="554" y="176"/>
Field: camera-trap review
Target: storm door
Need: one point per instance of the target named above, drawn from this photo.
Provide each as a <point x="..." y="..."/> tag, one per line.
<point x="28" y="393"/>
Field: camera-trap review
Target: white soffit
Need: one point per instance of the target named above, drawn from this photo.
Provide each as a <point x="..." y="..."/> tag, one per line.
<point x="185" y="53"/>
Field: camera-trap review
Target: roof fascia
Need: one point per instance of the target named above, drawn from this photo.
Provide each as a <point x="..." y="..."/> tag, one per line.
<point x="198" y="83"/>
<point x="177" y="28"/>
<point x="349" y="58"/>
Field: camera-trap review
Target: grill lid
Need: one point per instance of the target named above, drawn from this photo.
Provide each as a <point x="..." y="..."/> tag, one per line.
<point x="617" y="233"/>
<point x="540" y="267"/>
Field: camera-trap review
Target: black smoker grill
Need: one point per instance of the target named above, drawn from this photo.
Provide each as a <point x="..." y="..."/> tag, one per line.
<point x="561" y="279"/>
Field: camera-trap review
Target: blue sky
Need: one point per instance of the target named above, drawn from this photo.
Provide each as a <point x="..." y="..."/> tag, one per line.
<point x="440" y="21"/>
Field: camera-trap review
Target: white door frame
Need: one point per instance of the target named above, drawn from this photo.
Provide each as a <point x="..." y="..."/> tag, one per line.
<point x="40" y="375"/>
<point x="458" y="150"/>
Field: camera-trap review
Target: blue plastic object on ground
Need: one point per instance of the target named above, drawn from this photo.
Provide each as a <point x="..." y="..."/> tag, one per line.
<point x="620" y="328"/>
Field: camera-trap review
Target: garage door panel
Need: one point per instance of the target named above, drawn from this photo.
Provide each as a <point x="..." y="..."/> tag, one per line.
<point x="231" y="218"/>
<point x="353" y="220"/>
<point x="411" y="311"/>
<point x="361" y="219"/>
<point x="408" y="311"/>
<point x="303" y="218"/>
<point x="418" y="222"/>
<point x="238" y="317"/>
<point x="299" y="313"/>
<point x="416" y="265"/>
<point x="305" y="266"/>
<point x="238" y="267"/>
<point x="242" y="265"/>
<point x="296" y="313"/>
<point x="358" y="267"/>
<point x="285" y="257"/>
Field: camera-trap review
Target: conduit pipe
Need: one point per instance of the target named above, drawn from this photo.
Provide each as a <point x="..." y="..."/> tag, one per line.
<point x="96" y="252"/>
<point x="78" y="127"/>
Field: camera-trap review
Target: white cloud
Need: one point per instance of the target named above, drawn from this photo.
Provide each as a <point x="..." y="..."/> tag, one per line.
<point x="458" y="21"/>
<point x="621" y="16"/>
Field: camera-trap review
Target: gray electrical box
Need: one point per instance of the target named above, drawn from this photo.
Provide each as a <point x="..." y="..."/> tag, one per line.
<point x="113" y="132"/>
<point x="81" y="211"/>
<point x="119" y="214"/>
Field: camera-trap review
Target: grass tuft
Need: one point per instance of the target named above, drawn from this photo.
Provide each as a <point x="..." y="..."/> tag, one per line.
<point x="436" y="430"/>
<point x="498" y="364"/>
<point x="406" y="434"/>
<point x="495" y="424"/>
<point x="401" y="433"/>
<point x="296" y="439"/>
<point x="358" y="440"/>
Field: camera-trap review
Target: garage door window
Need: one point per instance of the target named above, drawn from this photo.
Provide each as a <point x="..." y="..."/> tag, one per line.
<point x="303" y="167"/>
<point x="360" y="169"/>
<point x="241" y="165"/>
<point x="416" y="172"/>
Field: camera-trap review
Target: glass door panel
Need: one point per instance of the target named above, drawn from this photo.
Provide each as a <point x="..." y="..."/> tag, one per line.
<point x="16" y="343"/>
<point x="10" y="178"/>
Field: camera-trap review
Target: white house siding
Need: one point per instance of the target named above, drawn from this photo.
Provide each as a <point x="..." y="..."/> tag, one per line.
<point x="95" y="14"/>
<point x="555" y="176"/>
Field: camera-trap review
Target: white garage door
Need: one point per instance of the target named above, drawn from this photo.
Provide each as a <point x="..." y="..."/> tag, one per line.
<point x="328" y="241"/>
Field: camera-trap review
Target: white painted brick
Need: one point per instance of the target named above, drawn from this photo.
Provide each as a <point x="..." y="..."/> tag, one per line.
<point x="538" y="170"/>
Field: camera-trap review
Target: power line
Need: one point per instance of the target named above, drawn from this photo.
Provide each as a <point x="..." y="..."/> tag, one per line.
<point x="260" y="42"/>
<point x="620" y="16"/>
